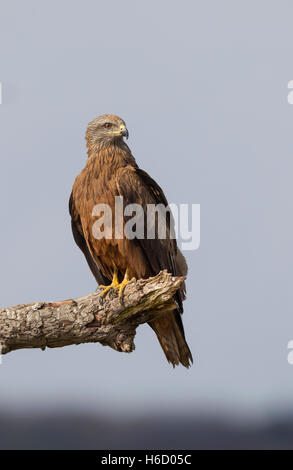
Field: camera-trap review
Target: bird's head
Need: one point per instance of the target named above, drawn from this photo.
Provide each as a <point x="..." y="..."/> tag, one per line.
<point x="105" y="130"/>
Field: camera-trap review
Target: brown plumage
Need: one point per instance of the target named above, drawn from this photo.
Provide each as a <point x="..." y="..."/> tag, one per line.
<point x="111" y="171"/>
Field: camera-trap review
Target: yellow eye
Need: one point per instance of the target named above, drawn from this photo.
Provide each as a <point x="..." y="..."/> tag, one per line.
<point x="107" y="125"/>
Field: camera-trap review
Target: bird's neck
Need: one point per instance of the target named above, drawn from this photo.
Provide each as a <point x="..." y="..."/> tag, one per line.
<point x="115" y="155"/>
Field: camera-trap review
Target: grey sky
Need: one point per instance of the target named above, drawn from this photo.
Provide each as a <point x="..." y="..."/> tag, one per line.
<point x="202" y="86"/>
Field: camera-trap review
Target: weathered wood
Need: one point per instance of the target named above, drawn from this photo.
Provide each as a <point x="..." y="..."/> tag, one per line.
<point x="109" y="320"/>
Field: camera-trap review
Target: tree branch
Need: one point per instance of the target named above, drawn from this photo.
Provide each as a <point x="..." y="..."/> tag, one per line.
<point x="109" y="320"/>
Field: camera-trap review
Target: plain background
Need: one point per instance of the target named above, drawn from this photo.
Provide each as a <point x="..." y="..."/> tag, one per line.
<point x="202" y="86"/>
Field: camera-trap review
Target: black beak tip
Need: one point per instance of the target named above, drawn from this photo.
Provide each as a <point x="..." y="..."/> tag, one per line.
<point x="125" y="133"/>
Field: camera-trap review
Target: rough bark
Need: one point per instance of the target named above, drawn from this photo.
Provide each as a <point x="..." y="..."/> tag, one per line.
<point x="109" y="320"/>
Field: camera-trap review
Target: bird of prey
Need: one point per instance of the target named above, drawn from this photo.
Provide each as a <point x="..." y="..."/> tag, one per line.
<point x="110" y="172"/>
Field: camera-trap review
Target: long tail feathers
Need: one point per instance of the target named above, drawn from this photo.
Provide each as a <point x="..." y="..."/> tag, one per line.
<point x="169" y="330"/>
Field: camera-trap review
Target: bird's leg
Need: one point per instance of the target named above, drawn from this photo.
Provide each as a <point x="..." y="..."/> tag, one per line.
<point x="125" y="281"/>
<point x="114" y="284"/>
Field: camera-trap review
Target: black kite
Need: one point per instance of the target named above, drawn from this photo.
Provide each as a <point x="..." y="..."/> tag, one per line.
<point x="111" y="171"/>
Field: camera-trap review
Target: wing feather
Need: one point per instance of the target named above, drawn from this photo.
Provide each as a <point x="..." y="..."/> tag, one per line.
<point x="81" y="243"/>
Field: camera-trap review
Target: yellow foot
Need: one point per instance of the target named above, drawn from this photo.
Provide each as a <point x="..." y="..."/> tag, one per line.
<point x="114" y="284"/>
<point x="125" y="281"/>
<point x="122" y="286"/>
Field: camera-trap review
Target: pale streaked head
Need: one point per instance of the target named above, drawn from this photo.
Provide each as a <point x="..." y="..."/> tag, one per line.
<point x="106" y="129"/>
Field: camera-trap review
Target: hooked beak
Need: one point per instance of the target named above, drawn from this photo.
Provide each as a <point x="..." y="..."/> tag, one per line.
<point x="124" y="132"/>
